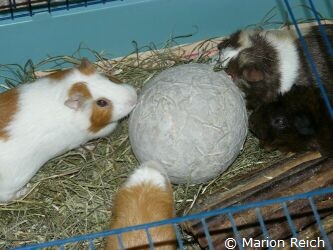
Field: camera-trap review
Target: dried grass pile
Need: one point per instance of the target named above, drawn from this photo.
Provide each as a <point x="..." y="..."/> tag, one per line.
<point x="72" y="194"/>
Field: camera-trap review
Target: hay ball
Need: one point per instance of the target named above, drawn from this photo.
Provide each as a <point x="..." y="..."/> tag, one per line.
<point x="191" y="119"/>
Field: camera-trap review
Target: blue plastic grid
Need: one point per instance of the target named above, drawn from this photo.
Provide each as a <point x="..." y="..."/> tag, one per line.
<point x="230" y="211"/>
<point x="30" y="8"/>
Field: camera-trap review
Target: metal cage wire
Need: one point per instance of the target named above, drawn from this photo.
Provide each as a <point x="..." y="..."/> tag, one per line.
<point x="14" y="10"/>
<point x="229" y="212"/>
<point x="306" y="50"/>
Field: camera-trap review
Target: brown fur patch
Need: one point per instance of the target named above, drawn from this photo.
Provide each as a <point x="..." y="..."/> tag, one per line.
<point x="59" y="75"/>
<point x="8" y="108"/>
<point x="141" y="204"/>
<point x="81" y="88"/>
<point x="255" y="70"/>
<point x="100" y="117"/>
<point x="77" y="96"/>
<point x="86" y="67"/>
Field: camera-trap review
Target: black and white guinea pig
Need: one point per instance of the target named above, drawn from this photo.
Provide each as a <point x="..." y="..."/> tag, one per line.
<point x="266" y="63"/>
<point x="295" y="122"/>
<point x="52" y="115"/>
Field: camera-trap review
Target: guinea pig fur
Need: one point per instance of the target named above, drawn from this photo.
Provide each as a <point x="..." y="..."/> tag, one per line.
<point x="266" y="63"/>
<point x="295" y="122"/>
<point x="52" y="115"/>
<point x="145" y="197"/>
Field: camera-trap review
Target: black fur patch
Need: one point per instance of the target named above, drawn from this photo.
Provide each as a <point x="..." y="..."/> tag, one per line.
<point x="232" y="41"/>
<point x="307" y="122"/>
<point x="320" y="56"/>
<point x="261" y="57"/>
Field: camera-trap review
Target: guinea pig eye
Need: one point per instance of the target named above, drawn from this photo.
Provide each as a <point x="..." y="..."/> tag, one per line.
<point x="102" y="103"/>
<point x="279" y="122"/>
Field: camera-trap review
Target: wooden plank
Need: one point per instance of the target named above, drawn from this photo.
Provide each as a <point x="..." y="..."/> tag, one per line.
<point x="298" y="174"/>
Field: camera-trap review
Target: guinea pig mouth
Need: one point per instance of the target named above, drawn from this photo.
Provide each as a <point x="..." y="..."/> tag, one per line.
<point x="124" y="118"/>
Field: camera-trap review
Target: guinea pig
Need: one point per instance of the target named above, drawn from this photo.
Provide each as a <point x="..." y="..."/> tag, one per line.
<point x="266" y="63"/>
<point x="295" y="122"/>
<point x="145" y="197"/>
<point x="52" y="115"/>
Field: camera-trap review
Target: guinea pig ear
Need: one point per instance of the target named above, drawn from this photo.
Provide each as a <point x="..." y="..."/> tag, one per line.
<point x="223" y="44"/>
<point x="252" y="74"/>
<point x="86" y="67"/>
<point x="77" y="96"/>
<point x="304" y="125"/>
<point x="75" y="101"/>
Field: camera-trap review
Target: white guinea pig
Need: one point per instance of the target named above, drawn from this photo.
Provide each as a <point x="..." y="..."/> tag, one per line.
<point x="145" y="197"/>
<point x="52" y="115"/>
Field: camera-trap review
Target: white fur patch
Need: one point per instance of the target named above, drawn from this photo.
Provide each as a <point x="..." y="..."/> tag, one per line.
<point x="147" y="173"/>
<point x="230" y="52"/>
<point x="227" y="54"/>
<point x="289" y="60"/>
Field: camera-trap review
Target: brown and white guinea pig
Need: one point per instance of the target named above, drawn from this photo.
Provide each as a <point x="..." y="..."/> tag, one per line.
<point x="296" y="121"/>
<point x="145" y="197"/>
<point x="52" y="115"/>
<point x="266" y="63"/>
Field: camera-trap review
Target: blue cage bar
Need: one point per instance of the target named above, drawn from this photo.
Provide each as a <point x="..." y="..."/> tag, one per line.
<point x="230" y="211"/>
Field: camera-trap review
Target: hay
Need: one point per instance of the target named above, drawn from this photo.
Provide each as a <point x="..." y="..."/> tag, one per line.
<point x="72" y="194"/>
